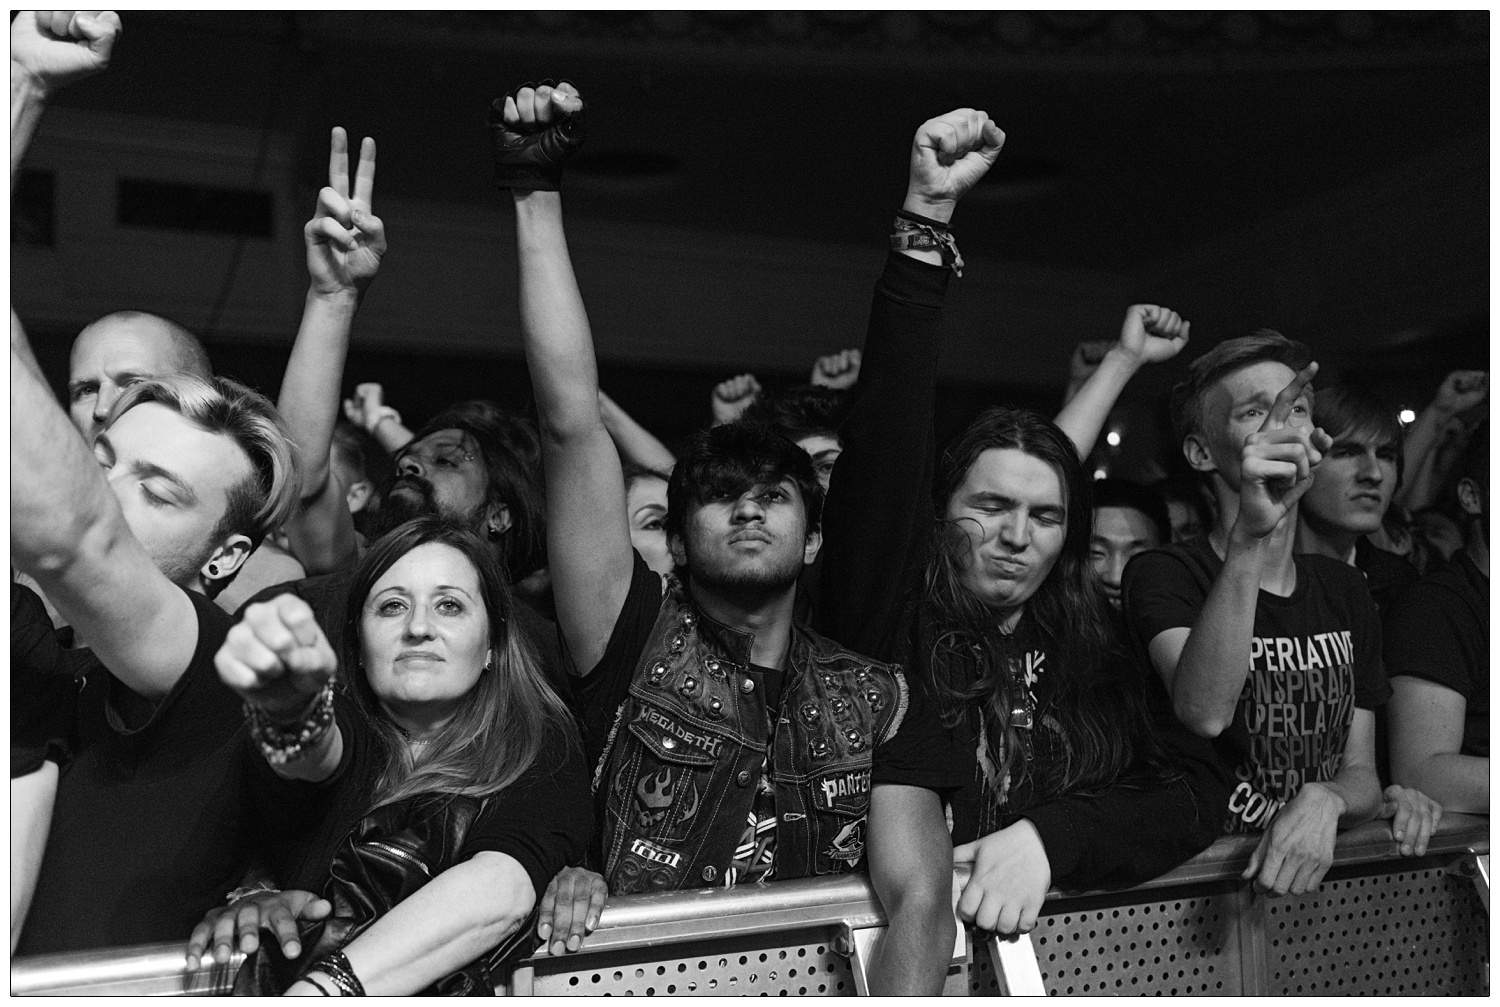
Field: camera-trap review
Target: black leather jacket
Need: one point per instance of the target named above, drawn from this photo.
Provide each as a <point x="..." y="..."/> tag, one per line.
<point x="683" y="760"/>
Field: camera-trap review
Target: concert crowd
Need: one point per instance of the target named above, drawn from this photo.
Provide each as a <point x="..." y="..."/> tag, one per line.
<point x="388" y="709"/>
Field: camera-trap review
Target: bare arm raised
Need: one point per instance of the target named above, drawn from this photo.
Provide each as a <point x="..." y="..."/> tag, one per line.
<point x="67" y="531"/>
<point x="1149" y="334"/>
<point x="345" y="242"/>
<point x="588" y="535"/>
<point x="50" y="49"/>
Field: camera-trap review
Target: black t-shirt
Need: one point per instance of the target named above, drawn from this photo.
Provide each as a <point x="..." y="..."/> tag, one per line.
<point x="543" y="819"/>
<point x="1314" y="658"/>
<point x="43" y="694"/>
<point x="1387" y="575"/>
<point x="1440" y="630"/>
<point x="152" y="823"/>
<point x="601" y="690"/>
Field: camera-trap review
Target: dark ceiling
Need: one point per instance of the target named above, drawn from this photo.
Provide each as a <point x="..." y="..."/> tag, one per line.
<point x="1130" y="136"/>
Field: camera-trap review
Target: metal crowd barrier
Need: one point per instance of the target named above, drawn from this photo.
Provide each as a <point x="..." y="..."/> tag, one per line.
<point x="1380" y="923"/>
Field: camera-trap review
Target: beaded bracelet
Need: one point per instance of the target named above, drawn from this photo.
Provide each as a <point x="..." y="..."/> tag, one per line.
<point x="911" y="233"/>
<point x="339" y="972"/>
<point x="280" y="744"/>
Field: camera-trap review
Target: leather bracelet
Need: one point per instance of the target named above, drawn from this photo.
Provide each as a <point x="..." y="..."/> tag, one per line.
<point x="339" y="972"/>
<point x="917" y="218"/>
<point x="908" y="235"/>
<point x="283" y="744"/>
<point x="317" y="985"/>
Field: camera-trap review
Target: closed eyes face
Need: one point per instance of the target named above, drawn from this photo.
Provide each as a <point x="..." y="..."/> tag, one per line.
<point x="1011" y="507"/>
<point x="172" y="479"/>
<point x="451" y="461"/>
<point x="424" y="630"/>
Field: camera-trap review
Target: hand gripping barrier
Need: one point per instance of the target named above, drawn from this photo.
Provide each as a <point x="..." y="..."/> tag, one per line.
<point x="1380" y="923"/>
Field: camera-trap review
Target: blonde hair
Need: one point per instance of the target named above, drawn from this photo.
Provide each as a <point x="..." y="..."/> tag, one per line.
<point x="267" y="498"/>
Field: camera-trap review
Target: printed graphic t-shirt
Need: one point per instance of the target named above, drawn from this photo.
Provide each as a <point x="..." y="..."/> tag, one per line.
<point x="1315" y="657"/>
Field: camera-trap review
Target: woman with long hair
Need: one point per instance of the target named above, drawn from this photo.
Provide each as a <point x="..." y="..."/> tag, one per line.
<point x="452" y="773"/>
<point x="1030" y="750"/>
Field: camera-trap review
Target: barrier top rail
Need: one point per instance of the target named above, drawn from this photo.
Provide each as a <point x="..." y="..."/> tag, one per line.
<point x="639" y="921"/>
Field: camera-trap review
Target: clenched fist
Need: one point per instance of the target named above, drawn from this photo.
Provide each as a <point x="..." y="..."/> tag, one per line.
<point x="948" y="155"/>
<point x="53" y="48"/>
<point x="277" y="657"/>
<point x="535" y="130"/>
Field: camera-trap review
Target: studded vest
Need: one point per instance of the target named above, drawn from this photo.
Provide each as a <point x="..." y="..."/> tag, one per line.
<point x="684" y="758"/>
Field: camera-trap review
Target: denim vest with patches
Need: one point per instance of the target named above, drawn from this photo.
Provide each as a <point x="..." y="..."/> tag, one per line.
<point x="684" y="758"/>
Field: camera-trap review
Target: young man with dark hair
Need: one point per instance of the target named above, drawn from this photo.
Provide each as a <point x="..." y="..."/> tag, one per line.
<point x="729" y="743"/>
<point x="1352" y="490"/>
<point x="1437" y="654"/>
<point x="1128" y="519"/>
<point x="1275" y="656"/>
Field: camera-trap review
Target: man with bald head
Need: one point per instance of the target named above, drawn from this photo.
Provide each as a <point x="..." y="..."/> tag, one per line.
<point x="120" y="350"/>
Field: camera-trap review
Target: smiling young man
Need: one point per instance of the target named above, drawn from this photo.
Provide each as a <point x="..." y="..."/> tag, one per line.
<point x="130" y="543"/>
<point x="729" y="743"/>
<point x="1275" y="656"/>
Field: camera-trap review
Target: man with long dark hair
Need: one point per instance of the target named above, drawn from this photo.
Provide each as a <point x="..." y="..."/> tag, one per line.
<point x="1024" y="743"/>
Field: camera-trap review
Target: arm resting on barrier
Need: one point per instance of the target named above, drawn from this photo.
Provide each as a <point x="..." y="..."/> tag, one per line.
<point x="640" y="920"/>
<point x="1427" y="731"/>
<point x="441" y="927"/>
<point x="911" y="859"/>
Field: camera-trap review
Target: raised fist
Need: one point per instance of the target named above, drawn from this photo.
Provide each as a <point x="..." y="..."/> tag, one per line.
<point x="732" y="397"/>
<point x="1151" y="334"/>
<point x="536" y="128"/>
<point x="345" y="240"/>
<point x="277" y="657"/>
<point x="56" y="47"/>
<point x="1460" y="391"/>
<point x="948" y="155"/>
<point x="837" y="370"/>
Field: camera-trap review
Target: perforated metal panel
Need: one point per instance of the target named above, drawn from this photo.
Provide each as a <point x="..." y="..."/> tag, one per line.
<point x="784" y="964"/>
<point x="1417" y="932"/>
<point x="1178" y="947"/>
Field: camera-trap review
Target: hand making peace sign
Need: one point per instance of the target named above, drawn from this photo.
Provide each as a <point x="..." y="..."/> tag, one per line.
<point x="345" y="240"/>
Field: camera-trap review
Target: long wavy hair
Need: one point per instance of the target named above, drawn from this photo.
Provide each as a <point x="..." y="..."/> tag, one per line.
<point x="505" y="718"/>
<point x="1102" y="716"/>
